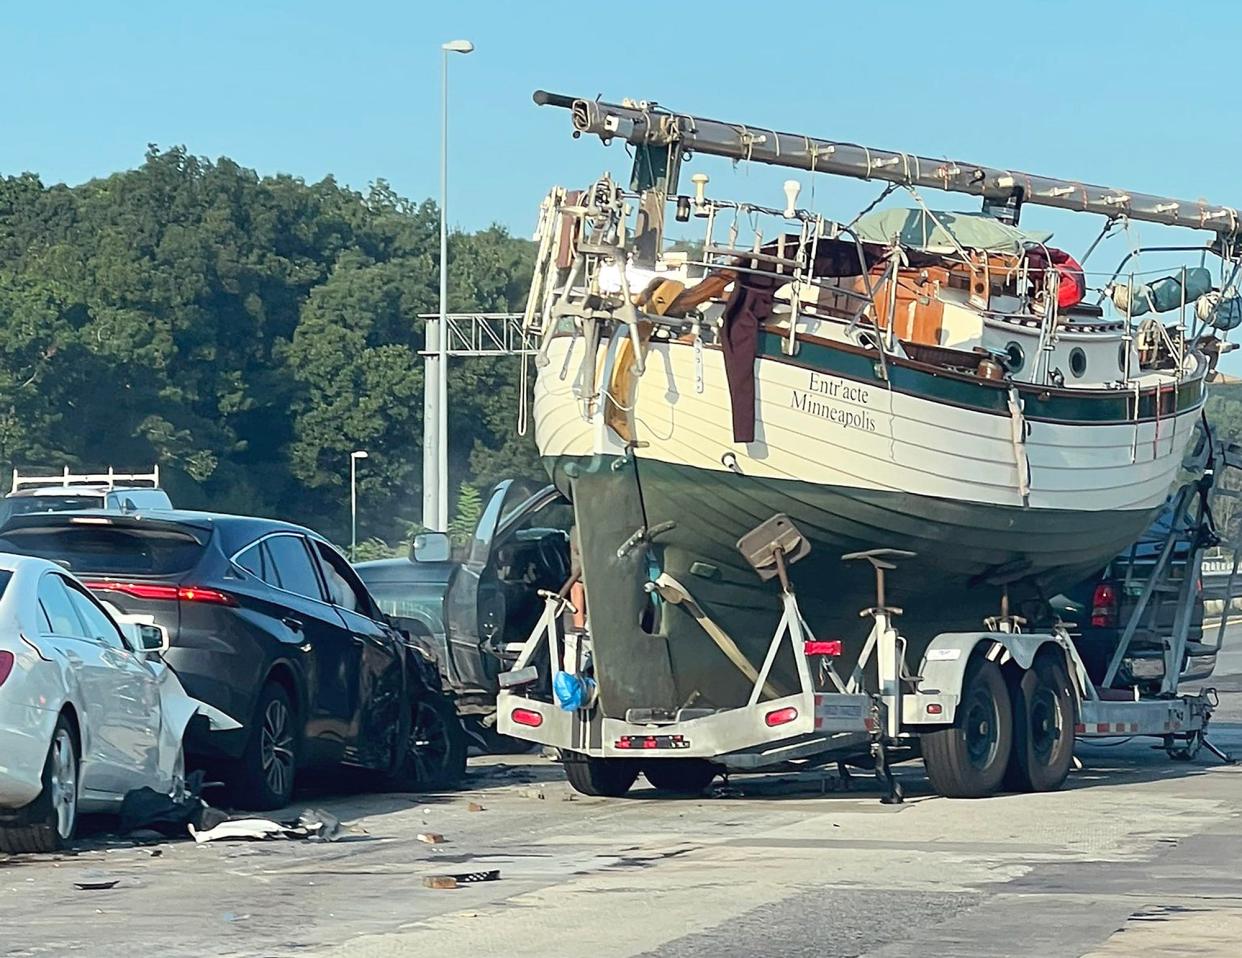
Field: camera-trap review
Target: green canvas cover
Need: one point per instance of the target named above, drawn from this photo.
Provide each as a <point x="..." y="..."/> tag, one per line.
<point x="917" y="229"/>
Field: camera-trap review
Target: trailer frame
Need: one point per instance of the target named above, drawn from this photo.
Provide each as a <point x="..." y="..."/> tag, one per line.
<point x="854" y="721"/>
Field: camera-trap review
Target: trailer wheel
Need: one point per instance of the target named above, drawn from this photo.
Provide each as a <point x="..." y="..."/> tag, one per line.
<point x="683" y="776"/>
<point x="968" y="759"/>
<point x="604" y="777"/>
<point x="1043" y="729"/>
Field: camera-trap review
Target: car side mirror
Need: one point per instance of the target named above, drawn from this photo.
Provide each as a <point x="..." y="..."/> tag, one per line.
<point x="146" y="637"/>
<point x="155" y="638"/>
<point x="431" y="547"/>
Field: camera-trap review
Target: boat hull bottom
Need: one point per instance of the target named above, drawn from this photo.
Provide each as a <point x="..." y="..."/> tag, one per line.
<point x="651" y="654"/>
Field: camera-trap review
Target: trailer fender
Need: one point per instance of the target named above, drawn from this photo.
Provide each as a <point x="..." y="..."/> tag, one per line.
<point x="943" y="668"/>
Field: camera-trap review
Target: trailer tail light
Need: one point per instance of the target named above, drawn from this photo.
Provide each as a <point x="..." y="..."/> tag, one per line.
<point x="780" y="716"/>
<point x="148" y="590"/>
<point x="528" y="717"/>
<point x="6" y="666"/>
<point x="831" y="648"/>
<point x="636" y="742"/>
<point x="1104" y="606"/>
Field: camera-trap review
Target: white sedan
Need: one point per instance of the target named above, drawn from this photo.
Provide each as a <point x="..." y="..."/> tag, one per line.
<point x="88" y="710"/>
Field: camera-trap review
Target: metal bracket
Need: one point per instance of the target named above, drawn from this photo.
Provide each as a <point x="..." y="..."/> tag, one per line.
<point x="772" y="546"/>
<point x="643" y="535"/>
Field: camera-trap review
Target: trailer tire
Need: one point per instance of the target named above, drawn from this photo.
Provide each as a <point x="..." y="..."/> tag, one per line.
<point x="968" y="759"/>
<point x="682" y="776"/>
<point x="1043" y="728"/>
<point x="600" y="777"/>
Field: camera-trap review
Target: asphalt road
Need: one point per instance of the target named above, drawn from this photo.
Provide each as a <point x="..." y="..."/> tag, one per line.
<point x="1138" y="856"/>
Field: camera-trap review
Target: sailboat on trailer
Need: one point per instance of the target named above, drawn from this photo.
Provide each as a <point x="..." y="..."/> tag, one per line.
<point x="948" y="384"/>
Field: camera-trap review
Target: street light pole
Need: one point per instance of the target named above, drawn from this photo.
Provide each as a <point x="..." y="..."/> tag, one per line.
<point x="435" y="473"/>
<point x="353" y="503"/>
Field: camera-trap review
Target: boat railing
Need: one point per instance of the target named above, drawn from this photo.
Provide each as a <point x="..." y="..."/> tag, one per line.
<point x="612" y="227"/>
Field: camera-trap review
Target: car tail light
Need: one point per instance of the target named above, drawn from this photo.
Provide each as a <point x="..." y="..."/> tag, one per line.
<point x="150" y="590"/>
<point x="6" y="666"/>
<point x="1104" y="606"/>
<point x="189" y="593"/>
<point x="527" y="717"/>
<point x="831" y="648"/>
<point x="780" y="717"/>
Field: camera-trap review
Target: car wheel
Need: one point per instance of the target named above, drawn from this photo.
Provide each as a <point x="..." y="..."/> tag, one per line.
<point x="265" y="774"/>
<point x="53" y="817"/>
<point x="435" y="752"/>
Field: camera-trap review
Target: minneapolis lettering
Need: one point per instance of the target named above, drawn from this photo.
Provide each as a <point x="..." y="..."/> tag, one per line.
<point x="813" y="400"/>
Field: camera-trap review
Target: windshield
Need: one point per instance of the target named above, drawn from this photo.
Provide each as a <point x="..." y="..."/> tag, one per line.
<point x="407" y="601"/>
<point x="108" y="550"/>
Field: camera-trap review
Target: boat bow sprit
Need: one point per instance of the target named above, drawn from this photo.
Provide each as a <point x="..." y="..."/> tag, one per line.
<point x="950" y="384"/>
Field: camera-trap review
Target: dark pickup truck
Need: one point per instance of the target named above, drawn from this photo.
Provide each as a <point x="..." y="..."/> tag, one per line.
<point x="1098" y="609"/>
<point x="474" y="611"/>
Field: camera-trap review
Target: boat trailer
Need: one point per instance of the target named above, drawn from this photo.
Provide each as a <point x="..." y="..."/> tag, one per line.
<point x="882" y="711"/>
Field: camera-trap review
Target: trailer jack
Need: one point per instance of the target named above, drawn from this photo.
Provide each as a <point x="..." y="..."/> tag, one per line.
<point x="1225" y="757"/>
<point x="1185" y="749"/>
<point x="894" y="794"/>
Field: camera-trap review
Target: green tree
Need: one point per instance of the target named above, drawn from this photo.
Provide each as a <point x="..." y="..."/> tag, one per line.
<point x="247" y="333"/>
<point x="466" y="518"/>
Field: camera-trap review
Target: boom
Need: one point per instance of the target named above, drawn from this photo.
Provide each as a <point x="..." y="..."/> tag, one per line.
<point x="648" y="124"/>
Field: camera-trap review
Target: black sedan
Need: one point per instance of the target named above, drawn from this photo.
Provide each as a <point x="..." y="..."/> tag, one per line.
<point x="269" y="623"/>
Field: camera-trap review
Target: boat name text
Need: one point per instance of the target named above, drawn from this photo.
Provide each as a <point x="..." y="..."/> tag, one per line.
<point x="819" y="388"/>
<point x="838" y="389"/>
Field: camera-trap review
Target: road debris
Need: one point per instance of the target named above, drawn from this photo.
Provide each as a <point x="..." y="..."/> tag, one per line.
<point x="320" y="825"/>
<point x="148" y="811"/>
<point x="475" y="807"/>
<point x="313" y="824"/>
<point x="96" y="885"/>
<point x="462" y="878"/>
<point x="431" y="838"/>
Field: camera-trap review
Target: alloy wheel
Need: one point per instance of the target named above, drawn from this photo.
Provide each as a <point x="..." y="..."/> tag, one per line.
<point x="428" y="743"/>
<point x="64" y="782"/>
<point x="276" y="747"/>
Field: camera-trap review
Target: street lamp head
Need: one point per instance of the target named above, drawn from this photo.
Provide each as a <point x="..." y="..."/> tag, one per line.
<point x="457" y="46"/>
<point x="360" y="454"/>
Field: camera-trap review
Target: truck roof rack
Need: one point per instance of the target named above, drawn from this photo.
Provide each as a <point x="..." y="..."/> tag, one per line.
<point x="110" y="479"/>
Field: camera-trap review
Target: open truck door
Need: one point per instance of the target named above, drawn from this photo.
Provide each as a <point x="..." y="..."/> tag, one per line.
<point x="475" y="605"/>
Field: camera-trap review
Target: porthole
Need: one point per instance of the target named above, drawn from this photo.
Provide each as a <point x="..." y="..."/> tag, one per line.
<point x="1078" y="362"/>
<point x="1121" y="358"/>
<point x="1015" y="357"/>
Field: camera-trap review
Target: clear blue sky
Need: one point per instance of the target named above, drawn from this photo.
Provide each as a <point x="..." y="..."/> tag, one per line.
<point x="1140" y="95"/>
